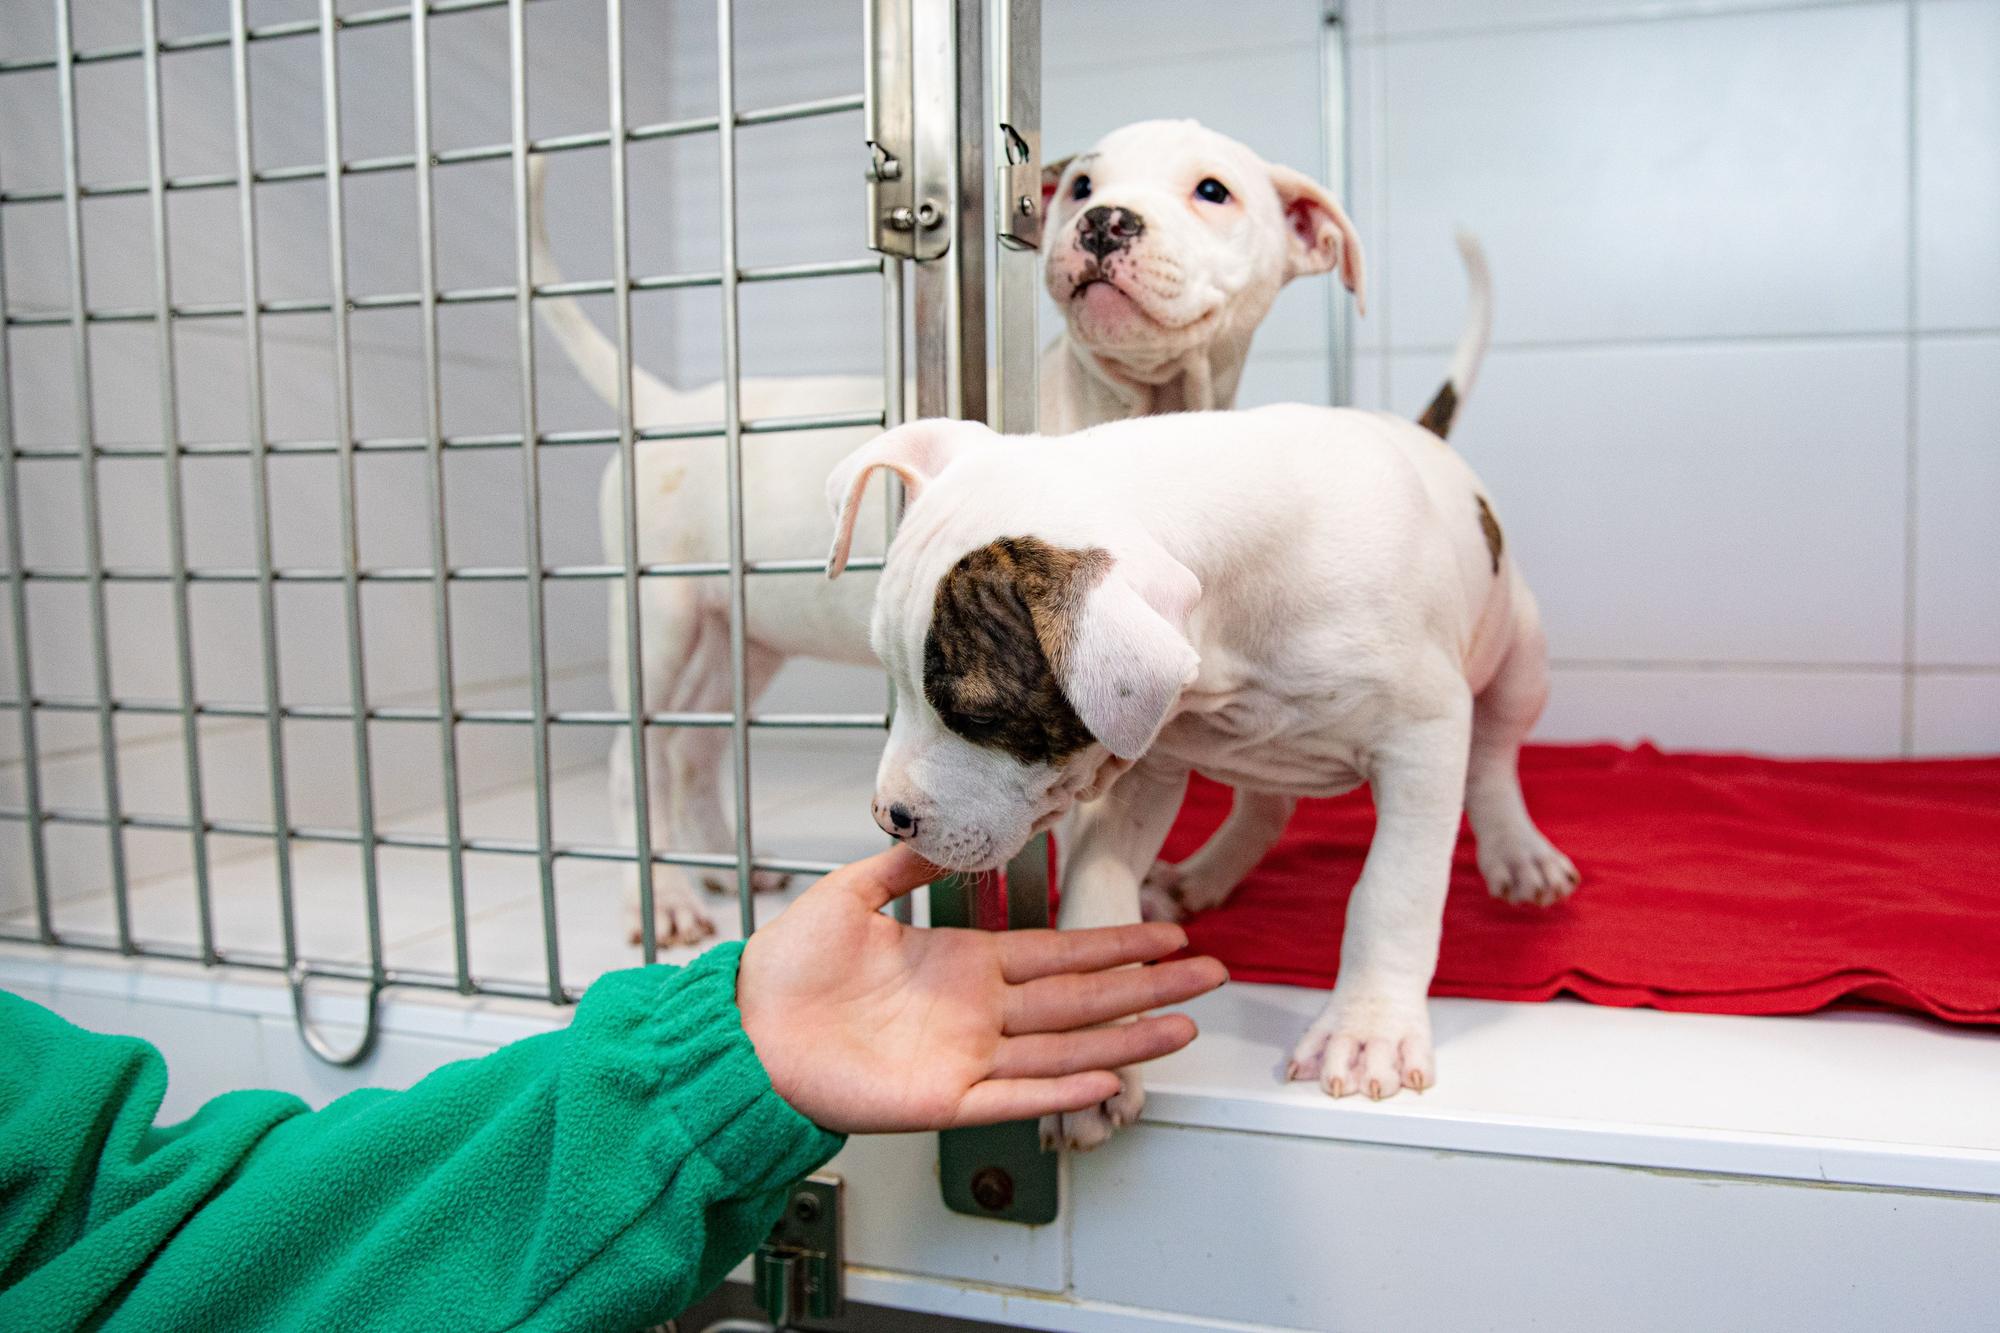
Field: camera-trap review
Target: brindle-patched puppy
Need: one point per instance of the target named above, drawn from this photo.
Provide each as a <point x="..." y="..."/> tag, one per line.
<point x="1079" y="624"/>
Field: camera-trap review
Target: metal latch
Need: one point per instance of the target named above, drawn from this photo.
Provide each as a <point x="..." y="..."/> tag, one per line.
<point x="1020" y="207"/>
<point x="797" y="1274"/>
<point x="909" y="110"/>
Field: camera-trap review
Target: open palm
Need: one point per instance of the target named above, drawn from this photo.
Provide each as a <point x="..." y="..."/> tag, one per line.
<point x="868" y="1025"/>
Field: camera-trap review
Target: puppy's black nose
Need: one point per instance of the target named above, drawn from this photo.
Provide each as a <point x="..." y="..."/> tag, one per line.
<point x="1104" y="229"/>
<point x="896" y="820"/>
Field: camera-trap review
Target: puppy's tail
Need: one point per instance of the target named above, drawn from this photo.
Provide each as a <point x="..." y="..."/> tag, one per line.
<point x="594" y="355"/>
<point x="1472" y="340"/>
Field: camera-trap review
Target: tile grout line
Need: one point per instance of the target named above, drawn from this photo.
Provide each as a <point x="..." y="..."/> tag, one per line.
<point x="1588" y="22"/>
<point x="1912" y="373"/>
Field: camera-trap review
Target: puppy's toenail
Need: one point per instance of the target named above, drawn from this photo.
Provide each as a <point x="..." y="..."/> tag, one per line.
<point x="1375" y="1089"/>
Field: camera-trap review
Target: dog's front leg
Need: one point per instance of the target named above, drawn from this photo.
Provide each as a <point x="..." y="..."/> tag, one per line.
<point x="1115" y="839"/>
<point x="1375" y="1033"/>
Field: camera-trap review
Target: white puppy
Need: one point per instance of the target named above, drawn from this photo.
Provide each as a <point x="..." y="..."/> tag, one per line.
<point x="1082" y="622"/>
<point x="1165" y="247"/>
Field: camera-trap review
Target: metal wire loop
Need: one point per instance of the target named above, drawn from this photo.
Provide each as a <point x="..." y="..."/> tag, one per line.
<point x="296" y="977"/>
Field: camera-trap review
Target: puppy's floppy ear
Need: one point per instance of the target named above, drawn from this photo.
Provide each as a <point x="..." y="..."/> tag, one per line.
<point x="915" y="452"/>
<point x="1125" y="657"/>
<point x="1052" y="174"/>
<point x="1321" y="237"/>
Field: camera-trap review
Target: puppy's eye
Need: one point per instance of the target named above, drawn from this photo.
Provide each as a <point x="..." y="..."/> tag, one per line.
<point x="1213" y="190"/>
<point x="1080" y="188"/>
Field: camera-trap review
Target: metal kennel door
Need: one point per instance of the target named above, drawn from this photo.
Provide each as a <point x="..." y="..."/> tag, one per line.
<point x="925" y="168"/>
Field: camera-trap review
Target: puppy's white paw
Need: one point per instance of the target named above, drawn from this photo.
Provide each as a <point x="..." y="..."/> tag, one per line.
<point x="761" y="881"/>
<point x="1367" y="1044"/>
<point x="1176" y="890"/>
<point x="678" y="917"/>
<point x="1080" y="1131"/>
<point x="1523" y="867"/>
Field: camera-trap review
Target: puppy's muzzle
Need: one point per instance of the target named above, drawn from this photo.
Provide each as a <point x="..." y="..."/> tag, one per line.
<point x="1104" y="230"/>
<point x="894" y="818"/>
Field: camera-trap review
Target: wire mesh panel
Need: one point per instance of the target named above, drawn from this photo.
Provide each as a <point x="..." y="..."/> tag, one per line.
<point x="291" y="528"/>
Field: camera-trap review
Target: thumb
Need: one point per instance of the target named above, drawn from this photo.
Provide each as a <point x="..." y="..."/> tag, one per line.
<point x="887" y="876"/>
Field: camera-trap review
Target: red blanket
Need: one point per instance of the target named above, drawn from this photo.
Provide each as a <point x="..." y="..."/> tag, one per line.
<point x="1714" y="883"/>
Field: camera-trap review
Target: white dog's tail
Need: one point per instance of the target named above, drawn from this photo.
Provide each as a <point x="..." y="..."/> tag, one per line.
<point x="594" y="355"/>
<point x="1472" y="340"/>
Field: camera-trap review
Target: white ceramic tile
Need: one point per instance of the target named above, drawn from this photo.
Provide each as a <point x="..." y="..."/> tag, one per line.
<point x="1404" y="18"/>
<point x="1730" y="175"/>
<point x="1102" y="36"/>
<point x="1958" y="714"/>
<point x="1735" y="503"/>
<point x="1958" y="496"/>
<point x="1958" y="167"/>
<point x="1740" y="711"/>
<point x="1284" y="379"/>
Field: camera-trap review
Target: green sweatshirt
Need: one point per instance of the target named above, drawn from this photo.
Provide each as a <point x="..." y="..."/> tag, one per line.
<point x="600" y="1177"/>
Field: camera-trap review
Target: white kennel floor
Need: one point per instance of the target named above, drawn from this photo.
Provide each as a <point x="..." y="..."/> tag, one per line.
<point x="811" y="804"/>
<point x="1577" y="1167"/>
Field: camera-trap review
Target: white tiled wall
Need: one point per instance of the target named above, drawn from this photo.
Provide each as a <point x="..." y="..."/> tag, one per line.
<point x="1740" y="416"/>
<point x="1743" y="412"/>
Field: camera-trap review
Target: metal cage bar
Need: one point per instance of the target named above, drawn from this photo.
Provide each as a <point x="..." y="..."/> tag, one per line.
<point x="559" y="143"/>
<point x="260" y="488"/>
<point x="531" y="492"/>
<point x="628" y="477"/>
<point x="281" y="832"/>
<point x="416" y="842"/>
<point x="350" y="532"/>
<point x="732" y="420"/>
<point x="17" y="605"/>
<point x="156" y="150"/>
<point x="434" y="481"/>
<point x="492" y="295"/>
<point x="93" y="520"/>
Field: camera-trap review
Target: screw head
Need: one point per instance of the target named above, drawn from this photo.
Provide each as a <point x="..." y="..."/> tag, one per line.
<point x="928" y="215"/>
<point x="1026" y="203"/>
<point x="805" y="1207"/>
<point x="992" y="1188"/>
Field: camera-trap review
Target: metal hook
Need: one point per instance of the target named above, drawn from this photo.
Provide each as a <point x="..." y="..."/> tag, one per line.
<point x="296" y="977"/>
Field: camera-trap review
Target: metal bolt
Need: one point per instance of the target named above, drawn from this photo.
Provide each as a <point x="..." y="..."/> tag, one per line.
<point x="1027" y="205"/>
<point x="900" y="219"/>
<point x="928" y="215"/>
<point x="805" y="1207"/>
<point x="992" y="1188"/>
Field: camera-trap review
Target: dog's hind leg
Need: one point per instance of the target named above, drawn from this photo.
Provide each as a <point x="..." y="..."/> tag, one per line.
<point x="1520" y="864"/>
<point x="669" y="627"/>
<point x="693" y="757"/>
<point x="1174" y="890"/>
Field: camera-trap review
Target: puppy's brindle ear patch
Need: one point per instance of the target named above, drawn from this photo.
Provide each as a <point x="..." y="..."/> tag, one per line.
<point x="1002" y="625"/>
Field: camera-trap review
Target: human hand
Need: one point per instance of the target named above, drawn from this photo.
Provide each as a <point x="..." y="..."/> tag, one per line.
<point x="866" y="1025"/>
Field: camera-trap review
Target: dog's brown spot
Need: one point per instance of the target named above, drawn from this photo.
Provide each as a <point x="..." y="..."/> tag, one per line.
<point x="1437" y="417"/>
<point x="1489" y="527"/>
<point x="1001" y="626"/>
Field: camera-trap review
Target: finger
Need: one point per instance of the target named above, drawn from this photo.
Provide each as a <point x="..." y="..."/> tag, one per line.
<point x="1052" y="1054"/>
<point x="1028" y="954"/>
<point x="884" y="877"/>
<point x="1057" y="1004"/>
<point x="1002" y="1099"/>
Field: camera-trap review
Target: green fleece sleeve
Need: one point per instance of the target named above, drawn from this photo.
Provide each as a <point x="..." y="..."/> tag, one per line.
<point x="599" y="1177"/>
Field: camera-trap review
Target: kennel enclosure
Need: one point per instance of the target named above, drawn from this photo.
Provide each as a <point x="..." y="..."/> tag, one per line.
<point x="179" y="869"/>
